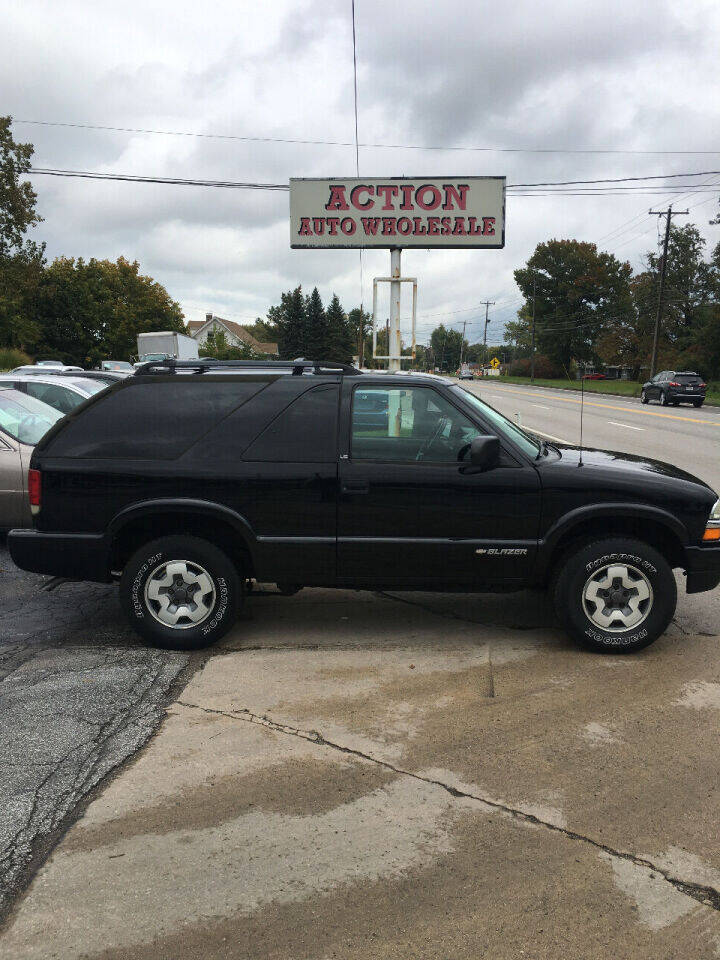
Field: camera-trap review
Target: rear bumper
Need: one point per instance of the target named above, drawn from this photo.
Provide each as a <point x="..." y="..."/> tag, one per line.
<point x="703" y="568"/>
<point x="76" y="556"/>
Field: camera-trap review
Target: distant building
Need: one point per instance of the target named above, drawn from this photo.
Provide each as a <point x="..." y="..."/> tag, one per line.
<point x="235" y="334"/>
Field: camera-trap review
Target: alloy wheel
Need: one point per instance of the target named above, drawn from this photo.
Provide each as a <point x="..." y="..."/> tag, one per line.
<point x="617" y="597"/>
<point x="180" y="594"/>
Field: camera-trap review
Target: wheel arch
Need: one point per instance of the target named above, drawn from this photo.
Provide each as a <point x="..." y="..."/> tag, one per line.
<point x="151" y="519"/>
<point x="654" y="526"/>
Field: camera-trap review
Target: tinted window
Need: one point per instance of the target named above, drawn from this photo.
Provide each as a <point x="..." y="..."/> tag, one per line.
<point x="305" y="432"/>
<point x="150" y="421"/>
<point x="409" y="423"/>
<point x="692" y="378"/>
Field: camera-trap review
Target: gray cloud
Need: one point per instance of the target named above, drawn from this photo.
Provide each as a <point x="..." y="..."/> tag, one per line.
<point x="579" y="75"/>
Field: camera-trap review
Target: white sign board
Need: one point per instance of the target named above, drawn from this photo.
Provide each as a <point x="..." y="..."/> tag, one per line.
<point x="398" y="212"/>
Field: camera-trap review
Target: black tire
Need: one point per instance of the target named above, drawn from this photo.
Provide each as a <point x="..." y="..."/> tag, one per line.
<point x="289" y="589"/>
<point x="643" y="397"/>
<point x="222" y="599"/>
<point x="585" y="568"/>
<point x="697" y="404"/>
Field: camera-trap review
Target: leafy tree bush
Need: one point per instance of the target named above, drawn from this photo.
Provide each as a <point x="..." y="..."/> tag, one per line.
<point x="545" y="368"/>
<point x="9" y="358"/>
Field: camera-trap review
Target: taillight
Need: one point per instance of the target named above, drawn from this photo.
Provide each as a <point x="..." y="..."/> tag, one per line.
<point x="674" y="384"/>
<point x="702" y="385"/>
<point x="34" y="489"/>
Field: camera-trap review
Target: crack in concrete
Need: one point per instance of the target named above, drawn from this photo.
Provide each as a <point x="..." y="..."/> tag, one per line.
<point x="704" y="894"/>
<point x="458" y="616"/>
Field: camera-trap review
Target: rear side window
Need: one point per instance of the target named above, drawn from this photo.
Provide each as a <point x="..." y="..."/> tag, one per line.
<point x="157" y="420"/>
<point x="305" y="432"/>
<point x="55" y="396"/>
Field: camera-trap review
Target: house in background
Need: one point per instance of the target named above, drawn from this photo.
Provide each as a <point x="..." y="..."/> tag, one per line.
<point x="235" y="334"/>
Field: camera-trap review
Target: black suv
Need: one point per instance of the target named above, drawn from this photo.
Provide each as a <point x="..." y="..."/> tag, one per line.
<point x="673" y="387"/>
<point x="189" y="480"/>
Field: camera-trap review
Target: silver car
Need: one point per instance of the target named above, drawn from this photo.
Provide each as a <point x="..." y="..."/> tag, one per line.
<point x="23" y="421"/>
<point x="64" y="393"/>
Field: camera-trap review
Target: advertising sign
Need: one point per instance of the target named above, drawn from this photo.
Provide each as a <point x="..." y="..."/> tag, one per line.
<point x="398" y="212"/>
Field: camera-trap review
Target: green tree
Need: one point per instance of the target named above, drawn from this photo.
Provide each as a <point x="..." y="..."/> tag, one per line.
<point x="578" y="291"/>
<point x="692" y="288"/>
<point x="316" y="327"/>
<point x="359" y="322"/>
<point x="21" y="260"/>
<point x="87" y="311"/>
<point x="290" y="321"/>
<point x="447" y="345"/>
<point x="17" y="197"/>
<point x="216" y="345"/>
<point x="340" y="343"/>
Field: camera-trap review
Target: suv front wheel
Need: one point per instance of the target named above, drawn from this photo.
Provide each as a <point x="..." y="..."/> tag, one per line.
<point x="181" y="592"/>
<point x="616" y="595"/>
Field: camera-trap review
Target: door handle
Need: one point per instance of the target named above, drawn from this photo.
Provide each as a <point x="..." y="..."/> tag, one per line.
<point x="354" y="486"/>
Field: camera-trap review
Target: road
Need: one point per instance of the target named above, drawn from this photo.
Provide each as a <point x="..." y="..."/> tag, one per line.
<point x="684" y="436"/>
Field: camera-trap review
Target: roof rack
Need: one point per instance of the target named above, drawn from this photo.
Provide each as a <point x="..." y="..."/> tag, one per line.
<point x="202" y="365"/>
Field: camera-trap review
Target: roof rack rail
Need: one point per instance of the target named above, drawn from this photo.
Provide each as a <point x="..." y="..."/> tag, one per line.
<point x="202" y="365"/>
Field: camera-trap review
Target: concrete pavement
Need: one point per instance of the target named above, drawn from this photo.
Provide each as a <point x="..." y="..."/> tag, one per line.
<point x="353" y="775"/>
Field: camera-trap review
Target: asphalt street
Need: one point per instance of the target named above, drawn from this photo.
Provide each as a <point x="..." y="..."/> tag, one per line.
<point x="683" y="436"/>
<point x="78" y="695"/>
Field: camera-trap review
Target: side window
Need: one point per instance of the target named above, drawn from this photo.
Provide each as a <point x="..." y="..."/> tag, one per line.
<point x="305" y="432"/>
<point x="407" y="423"/>
<point x="157" y="420"/>
<point x="55" y="396"/>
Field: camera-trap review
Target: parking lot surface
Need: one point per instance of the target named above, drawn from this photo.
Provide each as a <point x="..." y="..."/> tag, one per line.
<point x="354" y="774"/>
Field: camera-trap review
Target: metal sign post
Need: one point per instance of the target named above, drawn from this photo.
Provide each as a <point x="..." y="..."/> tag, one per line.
<point x="394" y="354"/>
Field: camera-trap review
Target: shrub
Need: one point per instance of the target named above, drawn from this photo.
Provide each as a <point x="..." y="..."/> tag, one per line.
<point x="545" y="369"/>
<point x="9" y="358"/>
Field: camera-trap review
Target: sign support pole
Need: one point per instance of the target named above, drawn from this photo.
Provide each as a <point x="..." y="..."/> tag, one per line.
<point x="394" y="347"/>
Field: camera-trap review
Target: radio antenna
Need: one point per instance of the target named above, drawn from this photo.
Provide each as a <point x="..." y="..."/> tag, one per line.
<point x="582" y="411"/>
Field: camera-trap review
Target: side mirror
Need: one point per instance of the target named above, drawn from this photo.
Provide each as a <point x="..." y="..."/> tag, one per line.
<point x="484" y="453"/>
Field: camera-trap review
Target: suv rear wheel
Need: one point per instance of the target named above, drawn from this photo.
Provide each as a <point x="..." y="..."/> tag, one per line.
<point x="616" y="595"/>
<point x="181" y="592"/>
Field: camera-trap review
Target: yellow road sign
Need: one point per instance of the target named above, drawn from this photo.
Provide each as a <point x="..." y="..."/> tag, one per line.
<point x="494" y="363"/>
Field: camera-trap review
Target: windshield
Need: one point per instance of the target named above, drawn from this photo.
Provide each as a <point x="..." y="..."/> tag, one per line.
<point x="149" y="357"/>
<point x="526" y="441"/>
<point x="117" y="365"/>
<point x="25" y="418"/>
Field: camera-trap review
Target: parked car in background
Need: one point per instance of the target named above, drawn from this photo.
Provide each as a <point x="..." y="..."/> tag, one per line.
<point x="117" y="366"/>
<point x="50" y="363"/>
<point x="43" y="369"/>
<point x="673" y="387"/>
<point x="594" y="376"/>
<point x="23" y="421"/>
<point x="61" y="392"/>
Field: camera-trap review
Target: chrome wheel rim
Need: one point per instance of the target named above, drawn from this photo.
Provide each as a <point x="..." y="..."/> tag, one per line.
<point x="180" y="594"/>
<point x="617" y="597"/>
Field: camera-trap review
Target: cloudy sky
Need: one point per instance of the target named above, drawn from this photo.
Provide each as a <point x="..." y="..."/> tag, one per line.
<point x="562" y="75"/>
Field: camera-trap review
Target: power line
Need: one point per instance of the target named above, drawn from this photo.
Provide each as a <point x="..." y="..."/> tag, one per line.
<point x="240" y="185"/>
<point x="173" y="181"/>
<point x="379" y="146"/>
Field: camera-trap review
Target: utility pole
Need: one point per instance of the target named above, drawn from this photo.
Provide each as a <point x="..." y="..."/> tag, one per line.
<point x="488" y="304"/>
<point x="462" y="345"/>
<point x="669" y="213"/>
<point x="532" y="349"/>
